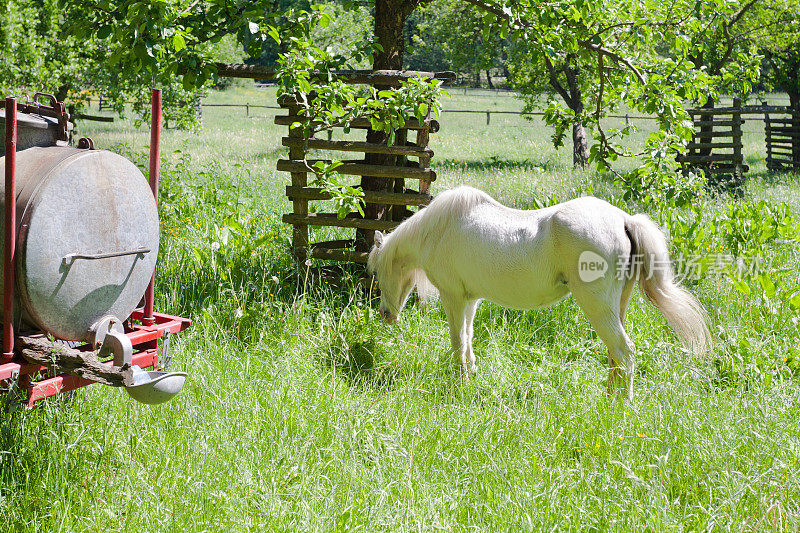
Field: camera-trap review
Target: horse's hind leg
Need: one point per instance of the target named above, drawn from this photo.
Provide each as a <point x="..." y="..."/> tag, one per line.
<point x="456" y="310"/>
<point x="614" y="372"/>
<point x="603" y="313"/>
<point x="469" y="319"/>
<point x="627" y="289"/>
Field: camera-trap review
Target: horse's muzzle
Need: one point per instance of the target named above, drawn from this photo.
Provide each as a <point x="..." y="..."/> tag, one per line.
<point x="387" y="316"/>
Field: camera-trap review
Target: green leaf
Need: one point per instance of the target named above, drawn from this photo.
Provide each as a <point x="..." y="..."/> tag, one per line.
<point x="740" y="285"/>
<point x="178" y="42"/>
<point x="794" y="301"/>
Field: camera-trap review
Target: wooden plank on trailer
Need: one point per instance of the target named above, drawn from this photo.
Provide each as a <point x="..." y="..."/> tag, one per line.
<point x="41" y="350"/>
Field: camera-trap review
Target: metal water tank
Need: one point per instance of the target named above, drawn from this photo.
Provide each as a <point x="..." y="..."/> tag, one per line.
<point x="87" y="231"/>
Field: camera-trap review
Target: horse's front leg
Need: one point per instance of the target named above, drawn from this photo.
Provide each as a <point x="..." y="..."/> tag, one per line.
<point x="456" y="310"/>
<point x="469" y="319"/>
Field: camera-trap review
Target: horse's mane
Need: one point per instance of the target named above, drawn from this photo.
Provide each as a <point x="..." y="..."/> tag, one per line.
<point x="419" y="235"/>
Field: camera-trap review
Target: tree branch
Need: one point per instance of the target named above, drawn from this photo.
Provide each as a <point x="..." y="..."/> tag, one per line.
<point x="742" y="10"/>
<point x="616" y="57"/>
<point x="555" y="84"/>
<point x="495" y="10"/>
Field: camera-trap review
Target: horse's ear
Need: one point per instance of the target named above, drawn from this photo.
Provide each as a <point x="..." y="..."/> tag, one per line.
<point x="378" y="238"/>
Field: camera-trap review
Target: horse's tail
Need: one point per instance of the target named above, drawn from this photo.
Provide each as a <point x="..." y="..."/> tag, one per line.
<point x="682" y="310"/>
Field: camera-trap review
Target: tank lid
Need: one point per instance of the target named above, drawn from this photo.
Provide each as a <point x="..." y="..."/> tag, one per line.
<point x="33" y="130"/>
<point x="25" y="120"/>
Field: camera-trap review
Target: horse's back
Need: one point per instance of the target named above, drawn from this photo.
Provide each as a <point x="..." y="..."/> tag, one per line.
<point x="486" y="250"/>
<point x="514" y="257"/>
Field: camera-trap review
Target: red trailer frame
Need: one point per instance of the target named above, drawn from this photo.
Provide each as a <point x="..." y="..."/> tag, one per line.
<point x="144" y="335"/>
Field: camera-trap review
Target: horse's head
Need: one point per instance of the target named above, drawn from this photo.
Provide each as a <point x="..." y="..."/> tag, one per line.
<point x="395" y="276"/>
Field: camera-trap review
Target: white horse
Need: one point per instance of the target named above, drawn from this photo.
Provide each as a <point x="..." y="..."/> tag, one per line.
<point x="469" y="247"/>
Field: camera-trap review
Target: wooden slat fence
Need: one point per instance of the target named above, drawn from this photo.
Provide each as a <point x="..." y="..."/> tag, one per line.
<point x="782" y="131"/>
<point x="397" y="166"/>
<point x="716" y="146"/>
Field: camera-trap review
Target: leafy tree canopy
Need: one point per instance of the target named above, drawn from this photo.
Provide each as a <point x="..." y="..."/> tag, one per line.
<point x="74" y="50"/>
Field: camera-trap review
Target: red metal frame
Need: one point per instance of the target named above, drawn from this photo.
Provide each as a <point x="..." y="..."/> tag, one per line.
<point x="10" y="230"/>
<point x="155" y="153"/>
<point x="143" y="335"/>
<point x="144" y="340"/>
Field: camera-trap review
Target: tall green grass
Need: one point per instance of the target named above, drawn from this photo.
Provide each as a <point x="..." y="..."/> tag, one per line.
<point x="304" y="412"/>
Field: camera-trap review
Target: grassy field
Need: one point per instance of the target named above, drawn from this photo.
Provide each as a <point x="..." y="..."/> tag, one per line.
<point x="304" y="412"/>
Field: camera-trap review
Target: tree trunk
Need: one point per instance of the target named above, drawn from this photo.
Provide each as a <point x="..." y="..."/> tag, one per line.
<point x="580" y="143"/>
<point x="390" y="18"/>
<point x="504" y="58"/>
<point x="580" y="146"/>
<point x="489" y="79"/>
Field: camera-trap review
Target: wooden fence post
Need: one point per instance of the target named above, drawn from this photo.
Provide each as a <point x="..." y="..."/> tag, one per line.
<point x="764" y="104"/>
<point x="794" y="114"/>
<point x="394" y="166"/>
<point x="299" y="205"/>
<point x="200" y="109"/>
<point x="736" y="130"/>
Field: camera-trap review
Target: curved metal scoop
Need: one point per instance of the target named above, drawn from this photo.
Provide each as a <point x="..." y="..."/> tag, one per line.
<point x="150" y="387"/>
<point x="155" y="387"/>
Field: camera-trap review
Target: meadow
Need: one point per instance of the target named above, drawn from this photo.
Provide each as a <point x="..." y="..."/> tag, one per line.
<point x="305" y="412"/>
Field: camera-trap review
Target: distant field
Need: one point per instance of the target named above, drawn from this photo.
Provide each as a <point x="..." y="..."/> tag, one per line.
<point x="304" y="412"/>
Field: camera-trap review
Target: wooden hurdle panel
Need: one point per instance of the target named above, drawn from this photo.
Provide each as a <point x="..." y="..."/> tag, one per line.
<point x="716" y="146"/>
<point x="408" y="160"/>
<point x="782" y="131"/>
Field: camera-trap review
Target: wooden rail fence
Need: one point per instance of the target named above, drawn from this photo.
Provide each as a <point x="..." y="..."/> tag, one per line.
<point x="782" y="130"/>
<point x="379" y="160"/>
<point x="716" y="146"/>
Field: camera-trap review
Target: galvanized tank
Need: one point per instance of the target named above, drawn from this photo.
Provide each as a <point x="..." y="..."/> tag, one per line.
<point x="87" y="232"/>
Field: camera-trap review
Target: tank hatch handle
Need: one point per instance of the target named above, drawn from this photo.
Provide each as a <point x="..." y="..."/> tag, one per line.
<point x="69" y="258"/>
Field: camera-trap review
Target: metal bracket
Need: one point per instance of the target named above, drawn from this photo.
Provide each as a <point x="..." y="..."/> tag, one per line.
<point x="108" y="335"/>
<point x="12" y="394"/>
<point x="165" y="358"/>
<point x="86" y="143"/>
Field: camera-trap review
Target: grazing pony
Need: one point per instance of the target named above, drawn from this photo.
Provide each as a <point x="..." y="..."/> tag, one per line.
<point x="469" y="247"/>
